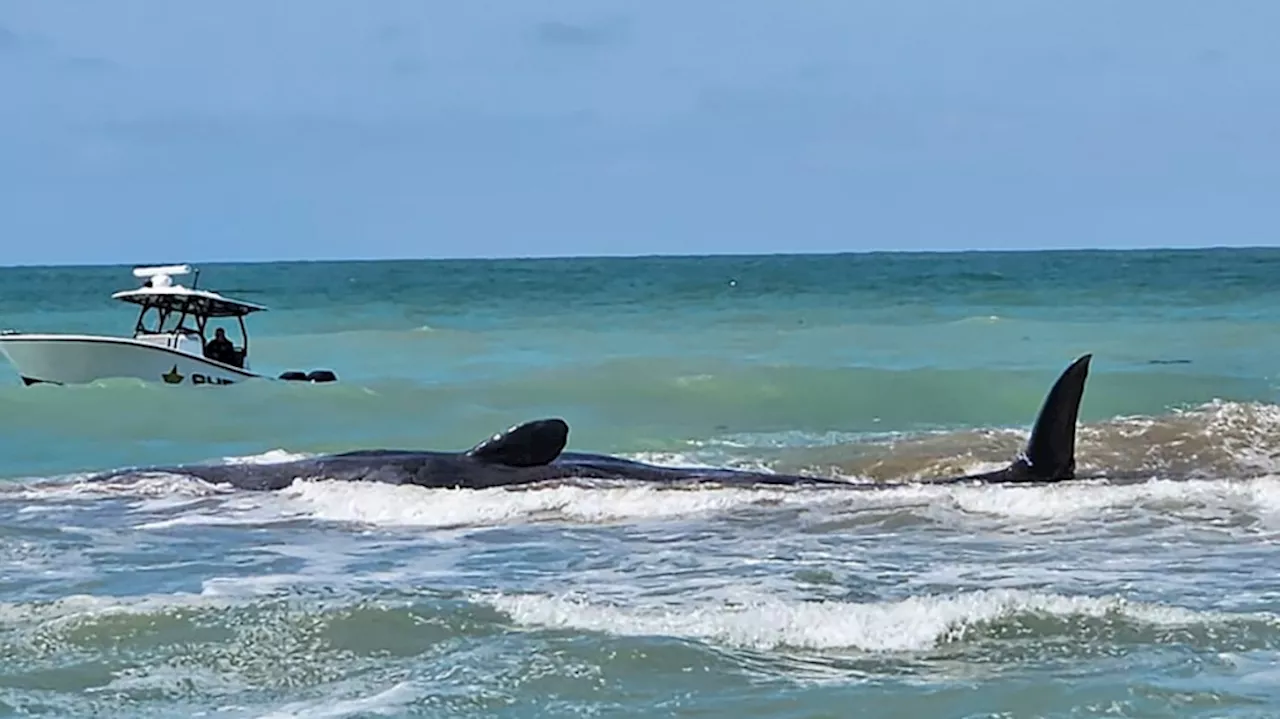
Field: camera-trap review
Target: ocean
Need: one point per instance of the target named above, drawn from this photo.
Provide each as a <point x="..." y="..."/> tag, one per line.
<point x="167" y="597"/>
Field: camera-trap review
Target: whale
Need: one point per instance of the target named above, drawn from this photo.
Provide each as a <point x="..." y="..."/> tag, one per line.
<point x="534" y="452"/>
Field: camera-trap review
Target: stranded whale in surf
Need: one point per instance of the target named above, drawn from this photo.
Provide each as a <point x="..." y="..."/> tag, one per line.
<point x="533" y="452"/>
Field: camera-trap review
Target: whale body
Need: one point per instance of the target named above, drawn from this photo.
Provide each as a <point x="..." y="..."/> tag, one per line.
<point x="533" y="452"/>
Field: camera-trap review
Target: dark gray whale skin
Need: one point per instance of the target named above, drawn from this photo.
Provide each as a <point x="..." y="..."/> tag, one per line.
<point x="532" y="452"/>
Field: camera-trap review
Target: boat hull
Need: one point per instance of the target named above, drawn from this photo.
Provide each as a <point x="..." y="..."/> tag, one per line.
<point x="81" y="359"/>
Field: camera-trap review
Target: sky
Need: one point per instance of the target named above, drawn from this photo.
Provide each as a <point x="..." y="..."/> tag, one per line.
<point x="162" y="131"/>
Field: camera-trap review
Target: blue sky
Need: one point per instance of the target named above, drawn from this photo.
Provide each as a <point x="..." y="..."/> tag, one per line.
<point x="241" y="130"/>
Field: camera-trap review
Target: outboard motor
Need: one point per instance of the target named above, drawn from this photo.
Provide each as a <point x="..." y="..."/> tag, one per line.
<point x="315" y="375"/>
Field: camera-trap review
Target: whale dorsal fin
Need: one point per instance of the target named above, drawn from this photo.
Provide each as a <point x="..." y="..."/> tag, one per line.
<point x="1050" y="454"/>
<point x="525" y="445"/>
<point x="1051" y="450"/>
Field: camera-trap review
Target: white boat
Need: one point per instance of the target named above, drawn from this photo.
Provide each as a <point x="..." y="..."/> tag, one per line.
<point x="169" y="342"/>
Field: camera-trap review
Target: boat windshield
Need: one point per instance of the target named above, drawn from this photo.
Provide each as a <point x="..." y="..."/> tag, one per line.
<point x="184" y="319"/>
<point x="157" y="320"/>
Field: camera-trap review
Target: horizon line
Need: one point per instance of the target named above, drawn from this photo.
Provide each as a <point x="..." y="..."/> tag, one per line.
<point x="656" y="255"/>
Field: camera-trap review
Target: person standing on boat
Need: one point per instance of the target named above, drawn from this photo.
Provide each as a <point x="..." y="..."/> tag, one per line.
<point x="220" y="348"/>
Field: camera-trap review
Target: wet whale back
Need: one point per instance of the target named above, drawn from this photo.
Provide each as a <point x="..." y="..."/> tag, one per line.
<point x="532" y="444"/>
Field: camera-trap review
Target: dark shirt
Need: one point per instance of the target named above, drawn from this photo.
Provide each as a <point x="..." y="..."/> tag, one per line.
<point x="221" y="350"/>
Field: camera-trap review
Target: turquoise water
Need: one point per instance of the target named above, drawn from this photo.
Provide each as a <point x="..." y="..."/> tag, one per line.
<point x="166" y="597"/>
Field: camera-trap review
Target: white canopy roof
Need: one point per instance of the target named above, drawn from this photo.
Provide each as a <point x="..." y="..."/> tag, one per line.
<point x="161" y="292"/>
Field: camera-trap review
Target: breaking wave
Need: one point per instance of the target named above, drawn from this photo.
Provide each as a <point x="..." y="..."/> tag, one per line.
<point x="1214" y="440"/>
<point x="913" y="624"/>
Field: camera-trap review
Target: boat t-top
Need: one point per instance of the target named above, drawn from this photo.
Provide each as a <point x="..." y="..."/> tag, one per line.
<point x="173" y="340"/>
